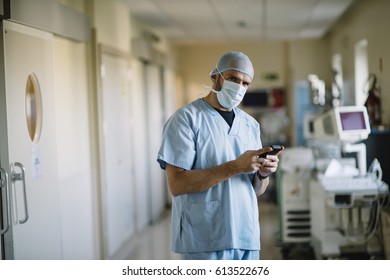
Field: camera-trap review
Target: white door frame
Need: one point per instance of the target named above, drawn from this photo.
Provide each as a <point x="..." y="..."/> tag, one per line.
<point x="5" y="248"/>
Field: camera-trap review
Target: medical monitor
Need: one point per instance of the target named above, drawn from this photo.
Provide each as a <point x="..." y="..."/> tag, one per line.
<point x="347" y="124"/>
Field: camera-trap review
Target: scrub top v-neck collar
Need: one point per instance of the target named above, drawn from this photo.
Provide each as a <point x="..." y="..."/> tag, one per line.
<point x="233" y="130"/>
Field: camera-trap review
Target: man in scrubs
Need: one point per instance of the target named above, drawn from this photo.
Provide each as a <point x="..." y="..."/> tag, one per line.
<point x="210" y="151"/>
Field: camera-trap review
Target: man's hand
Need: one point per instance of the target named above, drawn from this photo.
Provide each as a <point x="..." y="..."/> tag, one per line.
<point x="269" y="164"/>
<point x="249" y="161"/>
<point x="266" y="166"/>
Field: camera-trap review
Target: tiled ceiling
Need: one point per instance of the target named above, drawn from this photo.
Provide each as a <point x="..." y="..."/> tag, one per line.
<point x="198" y="21"/>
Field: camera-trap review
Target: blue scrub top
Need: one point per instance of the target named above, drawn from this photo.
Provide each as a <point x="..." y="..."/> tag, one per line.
<point x="225" y="216"/>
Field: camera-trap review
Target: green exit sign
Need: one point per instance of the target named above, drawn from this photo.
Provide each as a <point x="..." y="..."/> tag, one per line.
<point x="271" y="76"/>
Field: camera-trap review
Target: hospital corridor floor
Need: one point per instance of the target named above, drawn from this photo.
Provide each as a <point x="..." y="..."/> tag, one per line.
<point x="154" y="242"/>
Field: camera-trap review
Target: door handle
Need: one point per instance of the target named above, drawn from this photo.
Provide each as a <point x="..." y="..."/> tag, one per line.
<point x="4" y="185"/>
<point x="20" y="177"/>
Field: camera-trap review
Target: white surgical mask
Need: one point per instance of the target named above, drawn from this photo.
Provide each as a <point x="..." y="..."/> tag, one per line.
<point x="231" y="94"/>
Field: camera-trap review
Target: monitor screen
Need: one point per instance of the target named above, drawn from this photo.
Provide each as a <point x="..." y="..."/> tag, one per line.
<point x="267" y="97"/>
<point x="258" y="98"/>
<point x="352" y="120"/>
<point x="345" y="123"/>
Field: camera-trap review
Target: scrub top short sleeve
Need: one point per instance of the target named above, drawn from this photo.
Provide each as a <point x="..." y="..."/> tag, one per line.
<point x="178" y="145"/>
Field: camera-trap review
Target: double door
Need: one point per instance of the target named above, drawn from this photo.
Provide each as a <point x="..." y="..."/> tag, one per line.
<point x="30" y="209"/>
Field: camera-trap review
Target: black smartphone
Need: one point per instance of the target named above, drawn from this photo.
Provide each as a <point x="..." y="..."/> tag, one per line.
<point x="275" y="149"/>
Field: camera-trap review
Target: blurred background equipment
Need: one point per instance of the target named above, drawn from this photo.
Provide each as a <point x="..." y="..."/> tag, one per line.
<point x="373" y="102"/>
<point x="293" y="178"/>
<point x="345" y="200"/>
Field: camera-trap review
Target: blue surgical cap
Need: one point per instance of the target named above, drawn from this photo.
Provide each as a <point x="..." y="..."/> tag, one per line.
<point x="234" y="61"/>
